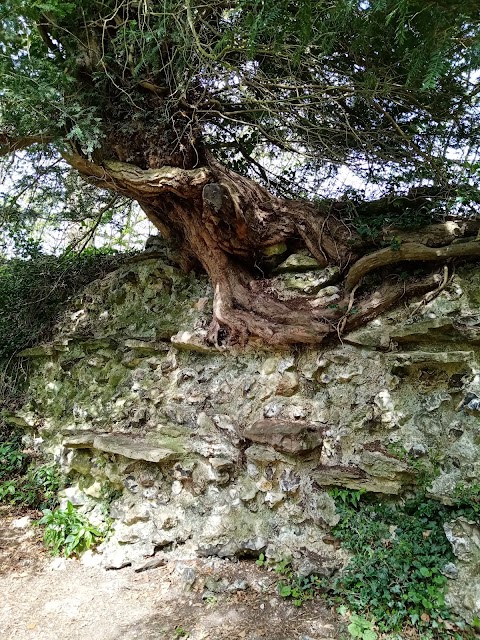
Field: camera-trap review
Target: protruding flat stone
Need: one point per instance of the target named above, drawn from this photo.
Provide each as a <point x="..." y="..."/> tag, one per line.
<point x="146" y="347"/>
<point x="40" y="351"/>
<point x="187" y="341"/>
<point x="17" y="421"/>
<point x="288" y="436"/>
<point x="95" y="344"/>
<point x="352" y="477"/>
<point x="377" y="463"/>
<point x="79" y="440"/>
<point x="426" y="330"/>
<point x="374" y="334"/>
<point x="427" y="358"/>
<point x="133" y="448"/>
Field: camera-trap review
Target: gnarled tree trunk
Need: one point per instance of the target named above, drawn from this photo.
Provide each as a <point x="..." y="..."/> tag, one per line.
<point x="226" y="223"/>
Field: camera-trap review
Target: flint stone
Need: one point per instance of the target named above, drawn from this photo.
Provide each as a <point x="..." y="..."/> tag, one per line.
<point x="450" y="571"/>
<point x="187" y="574"/>
<point x="464" y="536"/>
<point x="352" y="477"/>
<point x="464" y="591"/>
<point x="310" y="283"/>
<point x="21" y="523"/>
<point x="234" y="548"/>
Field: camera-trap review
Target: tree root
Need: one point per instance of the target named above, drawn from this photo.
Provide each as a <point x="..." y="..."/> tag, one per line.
<point x="410" y="251"/>
<point x="242" y="311"/>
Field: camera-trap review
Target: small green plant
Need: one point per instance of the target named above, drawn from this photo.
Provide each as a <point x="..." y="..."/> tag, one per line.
<point x="180" y="632"/>
<point x="467" y="500"/>
<point x="69" y="532"/>
<point x="395" y="244"/>
<point x="48" y="482"/>
<point x="23" y="484"/>
<point x="261" y="561"/>
<point x="362" y="628"/>
<point x="37" y="489"/>
<point x="12" y="459"/>
<point x="7" y="490"/>
<point x="300" y="589"/>
<point x="211" y="600"/>
<point x="349" y="497"/>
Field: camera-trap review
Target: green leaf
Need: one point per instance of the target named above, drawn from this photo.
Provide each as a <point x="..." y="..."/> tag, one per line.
<point x="414" y="618"/>
<point x="284" y="590"/>
<point x="355" y="630"/>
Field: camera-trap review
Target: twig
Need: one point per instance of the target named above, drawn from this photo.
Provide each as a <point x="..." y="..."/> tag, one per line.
<point x="343" y="319"/>
<point x="433" y="294"/>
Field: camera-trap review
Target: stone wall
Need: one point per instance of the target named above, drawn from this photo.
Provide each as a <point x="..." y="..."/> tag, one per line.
<point x="232" y="453"/>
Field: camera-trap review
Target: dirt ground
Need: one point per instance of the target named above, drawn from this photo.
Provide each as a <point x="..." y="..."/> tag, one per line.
<point x="211" y="599"/>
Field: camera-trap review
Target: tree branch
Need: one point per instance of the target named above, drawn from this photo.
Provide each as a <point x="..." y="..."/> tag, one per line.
<point x="10" y="144"/>
<point x="141" y="184"/>
<point x="410" y="251"/>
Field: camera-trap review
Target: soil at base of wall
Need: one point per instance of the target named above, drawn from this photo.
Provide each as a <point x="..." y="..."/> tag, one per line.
<point x="58" y="599"/>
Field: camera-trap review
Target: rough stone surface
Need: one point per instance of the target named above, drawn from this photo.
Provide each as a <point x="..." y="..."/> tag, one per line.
<point x="464" y="591"/>
<point x="232" y="453"/>
<point x="288" y="436"/>
<point x="298" y="262"/>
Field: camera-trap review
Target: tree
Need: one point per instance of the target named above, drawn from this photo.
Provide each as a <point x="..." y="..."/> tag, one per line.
<point x="223" y="118"/>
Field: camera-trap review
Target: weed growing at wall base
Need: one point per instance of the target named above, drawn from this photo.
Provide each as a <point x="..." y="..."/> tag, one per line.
<point x="21" y="483"/>
<point x="69" y="532"/>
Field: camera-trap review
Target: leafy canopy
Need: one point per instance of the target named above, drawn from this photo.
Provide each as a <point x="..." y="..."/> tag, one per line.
<point x="287" y="92"/>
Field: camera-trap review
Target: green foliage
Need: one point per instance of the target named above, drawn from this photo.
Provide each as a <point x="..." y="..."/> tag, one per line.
<point x="349" y="497"/>
<point x="394" y="579"/>
<point x="69" y="532"/>
<point x="24" y="484"/>
<point x="34" y="291"/>
<point x="386" y="86"/>
<point x="300" y="589"/>
<point x="37" y="489"/>
<point x="362" y="628"/>
<point x="12" y="459"/>
<point x="467" y="500"/>
<point x="395" y="573"/>
<point x="426" y="468"/>
<point x="397" y="214"/>
<point x="261" y="561"/>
